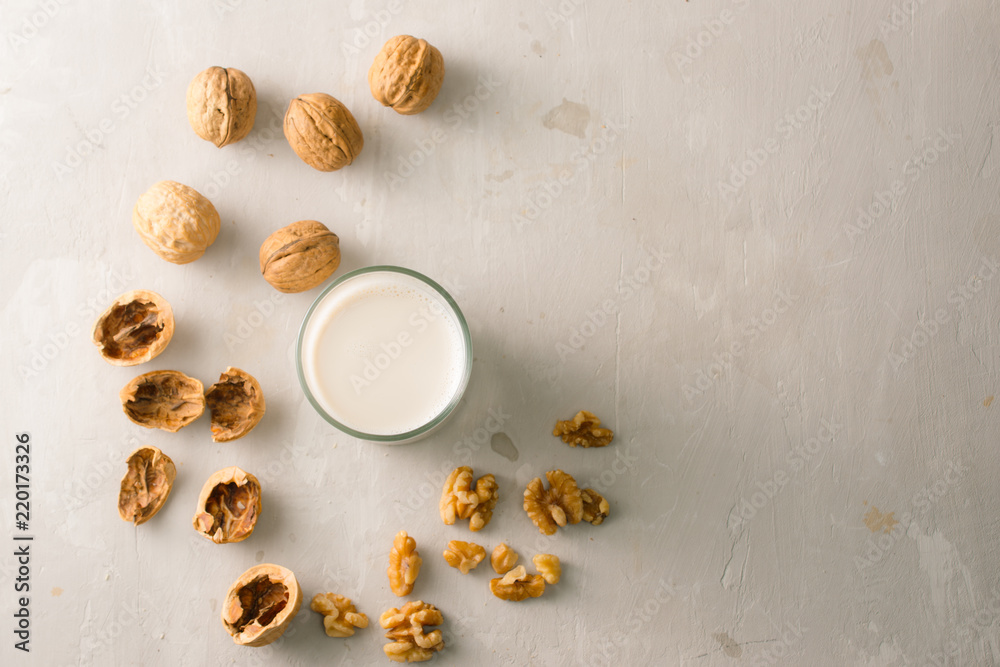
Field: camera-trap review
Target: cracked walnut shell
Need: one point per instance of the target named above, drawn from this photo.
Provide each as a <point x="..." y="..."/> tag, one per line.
<point x="221" y="105"/>
<point x="595" y="507"/>
<point x="300" y="256"/>
<point x="146" y="486"/>
<point x="583" y="430"/>
<point x="134" y="329"/>
<point x="406" y="628"/>
<point x="503" y="559"/>
<point x="404" y="564"/>
<point x="261" y="604"/>
<point x="322" y="132"/>
<point x="228" y="506"/>
<point x="340" y="616"/>
<point x="175" y="221"/>
<point x="549" y="567"/>
<point x="553" y="508"/>
<point x="460" y="501"/>
<point x="407" y="75"/>
<point x="464" y="556"/>
<point x="167" y="400"/>
<point x="236" y="403"/>
<point x="517" y="585"/>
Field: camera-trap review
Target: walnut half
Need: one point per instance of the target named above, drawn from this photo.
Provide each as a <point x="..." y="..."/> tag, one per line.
<point x="595" y="507"/>
<point x="518" y="585"/>
<point x="237" y="405"/>
<point x="549" y="567"/>
<point x="503" y="559"/>
<point x="261" y="604"/>
<point x="406" y="628"/>
<point x="134" y="329"/>
<point x="460" y="501"/>
<point x="228" y="506"/>
<point x="146" y="485"/>
<point x="583" y="430"/>
<point x="340" y="616"/>
<point x="404" y="564"/>
<point x="167" y="400"/>
<point x="464" y="556"/>
<point x="556" y="506"/>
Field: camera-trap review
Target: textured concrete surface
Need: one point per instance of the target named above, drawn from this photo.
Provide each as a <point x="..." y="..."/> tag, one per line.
<point x="757" y="238"/>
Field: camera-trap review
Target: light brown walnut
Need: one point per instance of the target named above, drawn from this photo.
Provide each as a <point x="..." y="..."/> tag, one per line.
<point x="228" y="507"/>
<point x="177" y="222"/>
<point x="340" y="616"/>
<point x="261" y="604"/>
<point x="584" y="430"/>
<point x="517" y="585"/>
<point x="549" y="567"/>
<point x="595" y="507"/>
<point x="221" y="105"/>
<point x="322" y="131"/>
<point x="464" y="556"/>
<point x="459" y="500"/>
<point x="167" y="400"/>
<point x="299" y="257"/>
<point x="406" y="627"/>
<point x="404" y="564"/>
<point x="134" y="329"/>
<point x="553" y="508"/>
<point x="237" y="405"/>
<point x="146" y="486"/>
<point x="503" y="559"/>
<point x="407" y="74"/>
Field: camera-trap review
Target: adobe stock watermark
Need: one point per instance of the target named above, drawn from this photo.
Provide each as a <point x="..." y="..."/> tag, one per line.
<point x="115" y="623"/>
<point x="932" y="148"/>
<point x="777" y="650"/>
<point x="951" y="652"/>
<point x="901" y="14"/>
<point x="546" y="194"/>
<point x="370" y="33"/>
<point x="706" y="378"/>
<point x="247" y="151"/>
<point x="643" y="613"/>
<point x="562" y="12"/>
<point x="223" y="7"/>
<point x="784" y="128"/>
<point x="246" y="326"/>
<point x="34" y="23"/>
<point x="82" y="487"/>
<point x="795" y="461"/>
<point x="454" y="117"/>
<point x="925" y="330"/>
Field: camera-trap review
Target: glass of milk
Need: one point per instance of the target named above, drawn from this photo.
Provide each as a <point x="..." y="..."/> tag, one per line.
<point x="384" y="354"/>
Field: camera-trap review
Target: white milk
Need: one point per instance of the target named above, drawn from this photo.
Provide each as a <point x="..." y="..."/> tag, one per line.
<point x="383" y="353"/>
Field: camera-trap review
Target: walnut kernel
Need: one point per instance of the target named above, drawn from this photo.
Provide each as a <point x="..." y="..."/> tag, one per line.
<point x="167" y="400"/>
<point x="236" y="403"/>
<point x="261" y="604"/>
<point x="583" y="430"/>
<point x="406" y="628"/>
<point x="146" y="485"/>
<point x="549" y="567"/>
<point x="340" y="616"/>
<point x="407" y="74"/>
<point x="517" y="585"/>
<point x="228" y="506"/>
<point x="404" y="564"/>
<point x="553" y="508"/>
<point x="595" y="507"/>
<point x="464" y="556"/>
<point x="503" y="559"/>
<point x="460" y="501"/>
<point x="134" y="329"/>
<point x="175" y="221"/>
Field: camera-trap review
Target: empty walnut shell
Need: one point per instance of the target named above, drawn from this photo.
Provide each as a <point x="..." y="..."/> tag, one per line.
<point x="261" y="604"/>
<point x="300" y="256"/>
<point x="322" y="132"/>
<point x="167" y="400"/>
<point x="236" y="403"/>
<point x="176" y="221"/>
<point x="134" y="329"/>
<point x="407" y="74"/>
<point x="146" y="485"/>
<point x="221" y="105"/>
<point x="228" y="506"/>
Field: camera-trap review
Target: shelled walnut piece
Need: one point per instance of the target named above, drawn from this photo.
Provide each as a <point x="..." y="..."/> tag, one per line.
<point x="236" y="403"/>
<point x="406" y="628"/>
<point x="549" y="567"/>
<point x="135" y="328"/>
<point x="340" y="616"/>
<point x="595" y="507"/>
<point x="503" y="558"/>
<point x="146" y="486"/>
<point x="228" y="506"/>
<point x="464" y="556"/>
<point x="167" y="400"/>
<point x="518" y="585"/>
<point x="177" y="222"/>
<point x="552" y="508"/>
<point x="299" y="256"/>
<point x="407" y="74"/>
<point x="583" y="430"/>
<point x="261" y="604"/>
<point x="404" y="564"/>
<point x="460" y="501"/>
<point x="221" y="105"/>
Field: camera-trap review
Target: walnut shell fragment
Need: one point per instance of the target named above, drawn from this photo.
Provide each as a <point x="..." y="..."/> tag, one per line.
<point x="583" y="430"/>
<point x="228" y="506"/>
<point x="406" y="628"/>
<point x="237" y="405"/>
<point x="167" y="400"/>
<point x="135" y="328"/>
<point x="146" y="486"/>
<point x="340" y="616"/>
<point x="404" y="564"/>
<point x="553" y="508"/>
<point x="261" y="604"/>
<point x="322" y="131"/>
<point x="300" y="256"/>
<point x="221" y="105"/>
<point x="175" y="221"/>
<point x="407" y="75"/>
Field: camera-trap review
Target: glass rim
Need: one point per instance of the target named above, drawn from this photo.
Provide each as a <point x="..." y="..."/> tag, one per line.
<point x="459" y="392"/>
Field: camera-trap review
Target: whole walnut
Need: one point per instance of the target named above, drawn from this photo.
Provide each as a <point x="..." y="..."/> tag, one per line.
<point x="176" y="221"/>
<point x="322" y="132"/>
<point x="300" y="256"/>
<point x="406" y="75"/>
<point x="221" y="105"/>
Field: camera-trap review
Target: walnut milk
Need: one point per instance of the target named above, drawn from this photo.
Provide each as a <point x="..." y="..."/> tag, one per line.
<point x="384" y="354"/>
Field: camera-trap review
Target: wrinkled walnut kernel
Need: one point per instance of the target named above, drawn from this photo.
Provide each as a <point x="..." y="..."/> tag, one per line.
<point x="406" y="627"/>
<point x="460" y="501"/>
<point x="340" y="616"/>
<point x="237" y="405"/>
<point x="503" y="559"/>
<point x="464" y="556"/>
<point x="549" y="567"/>
<point x="517" y="585"/>
<point x="134" y="329"/>
<point x="146" y="485"/>
<point x="553" y="508"/>
<point x="583" y="430"/>
<point x="404" y="564"/>
<point x="167" y="400"/>
<point x="595" y="507"/>
<point x="228" y="506"/>
<point x="261" y="604"/>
